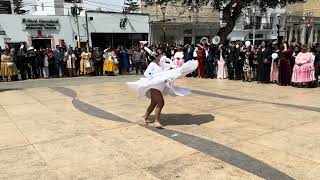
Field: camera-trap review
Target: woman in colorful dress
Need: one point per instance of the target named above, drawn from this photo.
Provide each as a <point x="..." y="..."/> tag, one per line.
<point x="70" y="59"/>
<point x="178" y="60"/>
<point x="222" y="68"/>
<point x="274" y="73"/>
<point x="200" y="58"/>
<point x="303" y="70"/>
<point x="248" y="64"/>
<point x="86" y="65"/>
<point x="285" y="70"/>
<point x="45" y="69"/>
<point x="8" y="67"/>
<point x="110" y="62"/>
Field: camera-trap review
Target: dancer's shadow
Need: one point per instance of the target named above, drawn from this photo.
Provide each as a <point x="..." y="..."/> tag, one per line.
<point x="185" y="119"/>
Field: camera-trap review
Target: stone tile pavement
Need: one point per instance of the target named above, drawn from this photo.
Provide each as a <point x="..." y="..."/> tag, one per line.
<point x="89" y="128"/>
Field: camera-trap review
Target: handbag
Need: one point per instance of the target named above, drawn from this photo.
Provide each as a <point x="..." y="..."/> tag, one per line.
<point x="87" y="64"/>
<point x="116" y="61"/>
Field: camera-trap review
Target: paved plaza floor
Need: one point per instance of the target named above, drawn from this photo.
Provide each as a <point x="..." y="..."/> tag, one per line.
<point x="90" y="128"/>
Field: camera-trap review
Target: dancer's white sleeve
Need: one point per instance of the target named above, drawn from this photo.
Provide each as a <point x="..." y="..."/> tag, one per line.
<point x="149" y="71"/>
<point x="166" y="63"/>
<point x="148" y="50"/>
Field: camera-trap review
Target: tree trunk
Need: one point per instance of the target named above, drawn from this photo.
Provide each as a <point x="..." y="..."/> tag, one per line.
<point x="225" y="31"/>
<point x="231" y="13"/>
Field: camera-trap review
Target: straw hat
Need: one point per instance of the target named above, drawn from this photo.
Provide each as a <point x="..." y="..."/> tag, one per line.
<point x="305" y="46"/>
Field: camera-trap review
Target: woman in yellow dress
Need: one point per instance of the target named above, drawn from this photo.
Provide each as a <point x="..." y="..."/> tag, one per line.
<point x="8" y="67"/>
<point x="110" y="63"/>
<point x="86" y="64"/>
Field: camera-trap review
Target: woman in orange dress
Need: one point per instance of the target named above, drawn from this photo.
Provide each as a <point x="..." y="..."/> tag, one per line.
<point x="86" y="64"/>
<point x="8" y="67"/>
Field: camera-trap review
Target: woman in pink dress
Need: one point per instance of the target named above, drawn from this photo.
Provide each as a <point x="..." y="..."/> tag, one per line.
<point x="303" y="70"/>
<point x="274" y="74"/>
<point x="222" y="69"/>
<point x="178" y="59"/>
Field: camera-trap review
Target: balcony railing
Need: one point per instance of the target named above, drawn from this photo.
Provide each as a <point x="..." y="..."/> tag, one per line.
<point x="258" y="26"/>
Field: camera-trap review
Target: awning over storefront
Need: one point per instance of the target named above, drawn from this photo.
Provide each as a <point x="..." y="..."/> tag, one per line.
<point x="237" y="36"/>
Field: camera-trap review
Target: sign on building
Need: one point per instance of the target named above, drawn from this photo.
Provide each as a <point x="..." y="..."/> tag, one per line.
<point x="72" y="1"/>
<point x="41" y="24"/>
<point x="5" y="7"/>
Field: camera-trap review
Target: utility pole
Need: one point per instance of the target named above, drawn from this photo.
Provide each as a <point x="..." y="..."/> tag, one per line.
<point x="254" y="25"/>
<point x="77" y="13"/>
<point x="163" y="9"/>
<point x="87" y="29"/>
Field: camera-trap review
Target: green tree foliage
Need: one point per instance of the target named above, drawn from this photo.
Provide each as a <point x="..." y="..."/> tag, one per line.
<point x="131" y="6"/>
<point x="231" y="9"/>
<point x="18" y="7"/>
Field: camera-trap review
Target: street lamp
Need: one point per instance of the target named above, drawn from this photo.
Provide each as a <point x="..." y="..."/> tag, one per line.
<point x="278" y="29"/>
<point x="163" y="10"/>
<point x="254" y="23"/>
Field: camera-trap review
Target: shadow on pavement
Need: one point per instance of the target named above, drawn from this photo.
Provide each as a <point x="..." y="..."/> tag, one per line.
<point x="185" y="119"/>
<point x="9" y="89"/>
<point x="225" y="154"/>
<point x="96" y="112"/>
<point x="209" y="147"/>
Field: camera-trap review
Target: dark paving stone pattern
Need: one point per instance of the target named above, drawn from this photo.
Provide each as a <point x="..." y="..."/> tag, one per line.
<point x="97" y="112"/>
<point x="225" y="154"/>
<point x="216" y="150"/>
<point x="307" y="108"/>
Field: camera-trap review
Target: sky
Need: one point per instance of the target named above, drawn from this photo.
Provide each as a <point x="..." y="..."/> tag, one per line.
<point x="107" y="5"/>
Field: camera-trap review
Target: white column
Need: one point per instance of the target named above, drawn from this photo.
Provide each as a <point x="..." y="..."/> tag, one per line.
<point x="316" y="34"/>
<point x="296" y="34"/>
<point x="290" y="37"/>
<point x="303" y="34"/>
<point x="149" y="34"/>
<point x="310" y="42"/>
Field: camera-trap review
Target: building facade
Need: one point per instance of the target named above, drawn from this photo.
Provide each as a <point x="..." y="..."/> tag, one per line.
<point x="37" y="31"/>
<point x="6" y="7"/>
<point x="301" y="9"/>
<point x="256" y="25"/>
<point x="63" y="7"/>
<point x="303" y="22"/>
<point x="112" y="29"/>
<point x="104" y="29"/>
<point x="176" y="25"/>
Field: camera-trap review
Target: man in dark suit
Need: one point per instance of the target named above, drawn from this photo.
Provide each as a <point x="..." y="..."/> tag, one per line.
<point x="209" y="60"/>
<point x="317" y="64"/>
<point x="58" y="56"/>
<point x="188" y="53"/>
<point x="230" y="61"/>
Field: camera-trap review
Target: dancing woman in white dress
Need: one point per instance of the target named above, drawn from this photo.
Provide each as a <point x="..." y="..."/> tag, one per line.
<point x="157" y="101"/>
<point x="158" y="82"/>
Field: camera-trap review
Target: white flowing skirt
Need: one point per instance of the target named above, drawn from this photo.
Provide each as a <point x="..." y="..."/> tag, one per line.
<point x="164" y="81"/>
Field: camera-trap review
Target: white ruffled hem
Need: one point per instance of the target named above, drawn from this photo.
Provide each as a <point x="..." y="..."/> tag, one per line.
<point x="164" y="81"/>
